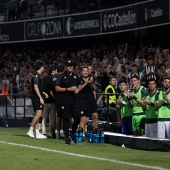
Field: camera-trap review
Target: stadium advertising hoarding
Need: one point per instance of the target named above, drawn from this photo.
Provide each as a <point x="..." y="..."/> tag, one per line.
<point x="119" y="19"/>
<point x="44" y="28"/>
<point x="82" y="24"/>
<point x="132" y="17"/>
<point x="153" y="13"/>
<point x="10" y="32"/>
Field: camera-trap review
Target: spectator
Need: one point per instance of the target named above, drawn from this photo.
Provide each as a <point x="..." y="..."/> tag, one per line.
<point x="150" y="71"/>
<point x="134" y="72"/>
<point x="12" y="7"/>
<point x="162" y="73"/>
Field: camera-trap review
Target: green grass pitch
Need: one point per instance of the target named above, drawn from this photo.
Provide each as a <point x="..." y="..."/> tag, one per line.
<point x="20" y="152"/>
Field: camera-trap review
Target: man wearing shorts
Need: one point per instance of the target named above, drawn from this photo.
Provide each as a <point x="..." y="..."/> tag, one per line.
<point x="162" y="105"/>
<point x="37" y="99"/>
<point x="151" y="116"/>
<point x="138" y="94"/>
<point x="94" y="102"/>
<point x="85" y="102"/>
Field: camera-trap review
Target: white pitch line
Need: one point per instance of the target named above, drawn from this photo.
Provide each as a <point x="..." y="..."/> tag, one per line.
<point x="86" y="156"/>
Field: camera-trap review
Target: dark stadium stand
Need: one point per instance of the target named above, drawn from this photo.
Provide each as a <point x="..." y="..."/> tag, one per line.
<point x="28" y="9"/>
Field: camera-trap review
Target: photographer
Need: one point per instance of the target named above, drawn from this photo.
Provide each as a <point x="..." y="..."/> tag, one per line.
<point x="110" y="89"/>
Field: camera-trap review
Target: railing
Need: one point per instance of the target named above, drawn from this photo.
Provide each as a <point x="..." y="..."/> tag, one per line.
<point x="16" y="106"/>
<point x="20" y="105"/>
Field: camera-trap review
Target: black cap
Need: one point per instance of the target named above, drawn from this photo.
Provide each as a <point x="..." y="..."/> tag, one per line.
<point x="68" y="63"/>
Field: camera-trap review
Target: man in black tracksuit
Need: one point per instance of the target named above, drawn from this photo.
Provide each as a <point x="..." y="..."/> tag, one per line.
<point x="68" y="85"/>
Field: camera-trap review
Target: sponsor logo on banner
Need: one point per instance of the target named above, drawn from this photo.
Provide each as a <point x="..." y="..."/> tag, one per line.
<point x="44" y="28"/>
<point x="71" y="25"/>
<point x="119" y="19"/>
<point x="80" y="25"/>
<point x="153" y="13"/>
<point x="3" y="37"/>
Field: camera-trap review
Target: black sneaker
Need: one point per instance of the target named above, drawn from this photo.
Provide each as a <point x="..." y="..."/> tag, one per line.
<point x="73" y="139"/>
<point x="68" y="141"/>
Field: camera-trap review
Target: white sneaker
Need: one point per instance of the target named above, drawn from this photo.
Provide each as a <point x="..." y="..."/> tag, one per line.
<point x="30" y="134"/>
<point x="40" y="136"/>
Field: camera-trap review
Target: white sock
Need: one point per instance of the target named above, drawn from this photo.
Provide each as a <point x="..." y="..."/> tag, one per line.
<point x="58" y="132"/>
<point x="31" y="128"/>
<point x="37" y="131"/>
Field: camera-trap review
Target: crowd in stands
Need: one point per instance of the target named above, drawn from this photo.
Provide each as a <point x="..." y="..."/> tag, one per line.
<point x="123" y="60"/>
<point x="28" y="9"/>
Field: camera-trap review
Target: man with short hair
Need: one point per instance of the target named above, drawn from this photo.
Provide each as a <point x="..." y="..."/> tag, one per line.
<point x="150" y="71"/>
<point x="110" y="89"/>
<point x="162" y="105"/>
<point x="86" y="102"/>
<point x="151" y="116"/>
<point x="134" y="72"/>
<point x="60" y="70"/>
<point x="37" y="99"/>
<point x="94" y="102"/>
<point x="49" y="103"/>
<point x="125" y="108"/>
<point x="138" y="94"/>
<point x="68" y="85"/>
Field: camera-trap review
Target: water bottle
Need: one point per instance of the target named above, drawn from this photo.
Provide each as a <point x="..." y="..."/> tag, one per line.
<point x="102" y="138"/>
<point x="6" y="124"/>
<point x="80" y="136"/>
<point x="96" y="138"/>
<point x="100" y="135"/>
<point x="77" y="136"/>
<point x="90" y="138"/>
<point x="87" y="135"/>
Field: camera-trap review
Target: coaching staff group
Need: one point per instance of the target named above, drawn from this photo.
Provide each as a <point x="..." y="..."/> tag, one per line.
<point x="68" y="85"/>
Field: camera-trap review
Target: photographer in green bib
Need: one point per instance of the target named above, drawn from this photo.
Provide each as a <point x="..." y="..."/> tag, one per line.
<point x="138" y="95"/>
